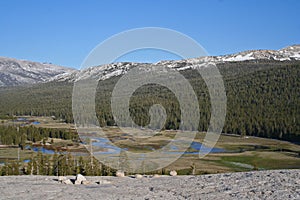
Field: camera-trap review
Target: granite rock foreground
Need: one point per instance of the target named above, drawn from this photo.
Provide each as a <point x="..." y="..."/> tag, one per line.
<point x="277" y="184"/>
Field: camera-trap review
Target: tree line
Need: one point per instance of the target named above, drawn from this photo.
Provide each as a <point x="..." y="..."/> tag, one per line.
<point x="61" y="164"/>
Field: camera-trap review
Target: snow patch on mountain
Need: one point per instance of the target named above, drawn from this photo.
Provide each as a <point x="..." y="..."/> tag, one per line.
<point x="115" y="69"/>
<point x="15" y="72"/>
<point x="239" y="57"/>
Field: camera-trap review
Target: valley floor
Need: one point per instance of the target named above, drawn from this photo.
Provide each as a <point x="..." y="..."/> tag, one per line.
<point x="276" y="184"/>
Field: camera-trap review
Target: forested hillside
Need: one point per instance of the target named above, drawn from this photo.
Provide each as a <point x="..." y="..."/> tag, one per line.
<point x="263" y="99"/>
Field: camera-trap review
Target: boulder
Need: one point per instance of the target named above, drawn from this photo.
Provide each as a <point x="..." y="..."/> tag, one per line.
<point x="173" y="173"/>
<point x="85" y="182"/>
<point x="138" y="176"/>
<point x="120" y="173"/>
<point x="67" y="182"/>
<point x="156" y="176"/>
<point x="79" y="179"/>
<point x="77" y="182"/>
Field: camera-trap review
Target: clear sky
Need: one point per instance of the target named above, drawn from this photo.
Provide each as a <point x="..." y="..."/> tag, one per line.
<point x="63" y="32"/>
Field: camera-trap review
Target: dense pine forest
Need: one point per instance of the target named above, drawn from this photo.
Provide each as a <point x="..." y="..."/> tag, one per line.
<point x="12" y="135"/>
<point x="263" y="99"/>
<point x="61" y="164"/>
<point x="58" y="164"/>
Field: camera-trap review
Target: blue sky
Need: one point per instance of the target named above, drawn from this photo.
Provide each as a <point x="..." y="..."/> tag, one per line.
<point x="63" y="32"/>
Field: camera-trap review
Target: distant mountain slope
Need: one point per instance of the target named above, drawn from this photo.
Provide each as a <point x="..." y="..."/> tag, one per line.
<point x="19" y="72"/>
<point x="291" y="53"/>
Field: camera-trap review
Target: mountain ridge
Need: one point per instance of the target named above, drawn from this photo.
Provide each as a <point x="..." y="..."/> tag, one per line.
<point x="106" y="71"/>
<point x="18" y="72"/>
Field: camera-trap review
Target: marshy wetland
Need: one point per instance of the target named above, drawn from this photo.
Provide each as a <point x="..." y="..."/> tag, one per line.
<point x="231" y="153"/>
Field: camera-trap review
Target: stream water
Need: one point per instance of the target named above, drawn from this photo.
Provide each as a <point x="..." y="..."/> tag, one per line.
<point x="112" y="149"/>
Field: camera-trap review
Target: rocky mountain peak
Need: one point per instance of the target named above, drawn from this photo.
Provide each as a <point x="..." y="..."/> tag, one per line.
<point x="19" y="72"/>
